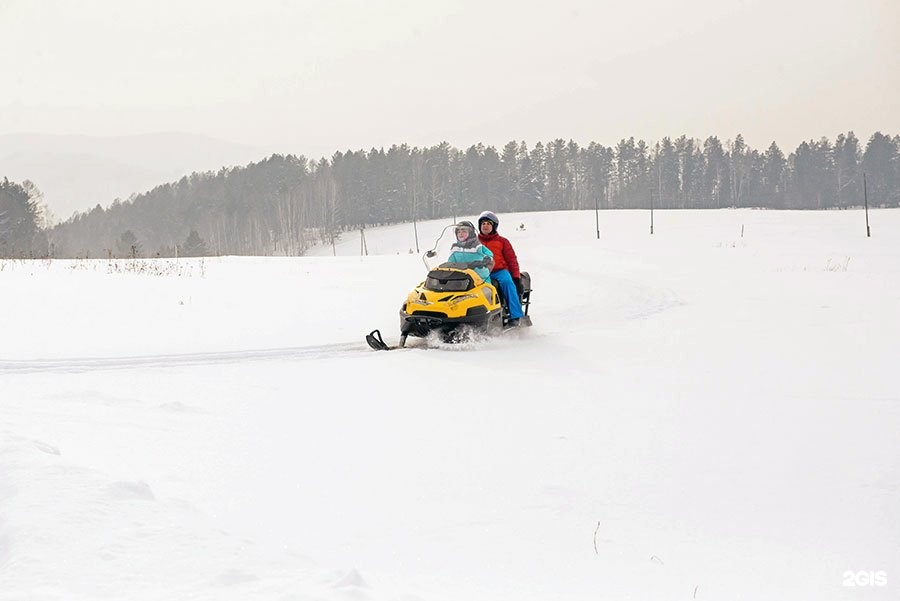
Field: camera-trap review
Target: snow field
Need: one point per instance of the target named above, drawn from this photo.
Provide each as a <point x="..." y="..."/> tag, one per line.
<point x="695" y="414"/>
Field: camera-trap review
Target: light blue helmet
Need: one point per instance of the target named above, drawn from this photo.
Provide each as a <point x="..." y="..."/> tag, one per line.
<point x="489" y="216"/>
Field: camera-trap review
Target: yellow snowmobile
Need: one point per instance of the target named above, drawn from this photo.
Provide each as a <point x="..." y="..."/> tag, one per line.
<point x="451" y="299"/>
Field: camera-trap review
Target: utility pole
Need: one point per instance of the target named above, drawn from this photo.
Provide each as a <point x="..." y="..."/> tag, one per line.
<point x="415" y="209"/>
<point x="658" y="176"/>
<point x="866" y="200"/>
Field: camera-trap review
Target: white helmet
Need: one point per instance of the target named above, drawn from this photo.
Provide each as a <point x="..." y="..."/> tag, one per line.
<point x="489" y="216"/>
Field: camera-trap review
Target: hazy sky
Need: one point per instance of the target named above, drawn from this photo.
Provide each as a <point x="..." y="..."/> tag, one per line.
<point x="312" y="77"/>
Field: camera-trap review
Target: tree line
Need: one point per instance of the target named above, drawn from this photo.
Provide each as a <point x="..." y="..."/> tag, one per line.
<point x="284" y="204"/>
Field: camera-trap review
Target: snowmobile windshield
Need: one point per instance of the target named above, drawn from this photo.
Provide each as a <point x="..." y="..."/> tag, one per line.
<point x="439" y="280"/>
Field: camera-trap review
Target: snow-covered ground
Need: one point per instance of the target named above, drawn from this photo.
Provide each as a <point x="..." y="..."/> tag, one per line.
<point x="696" y="414"/>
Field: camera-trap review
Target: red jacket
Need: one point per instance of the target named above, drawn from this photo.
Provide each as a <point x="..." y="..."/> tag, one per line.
<point x="504" y="255"/>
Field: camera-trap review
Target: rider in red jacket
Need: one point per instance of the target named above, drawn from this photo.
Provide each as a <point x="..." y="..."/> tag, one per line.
<point x="506" y="265"/>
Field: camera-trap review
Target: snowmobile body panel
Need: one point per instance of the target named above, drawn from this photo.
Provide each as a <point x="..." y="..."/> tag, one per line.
<point x="450" y="298"/>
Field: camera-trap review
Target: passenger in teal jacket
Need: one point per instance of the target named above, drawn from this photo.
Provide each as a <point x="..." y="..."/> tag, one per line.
<point x="467" y="251"/>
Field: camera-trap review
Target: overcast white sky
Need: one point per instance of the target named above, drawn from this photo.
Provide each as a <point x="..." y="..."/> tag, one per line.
<point x="313" y="77"/>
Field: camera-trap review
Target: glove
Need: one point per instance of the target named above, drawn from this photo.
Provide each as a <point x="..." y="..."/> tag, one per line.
<point x="474" y="264"/>
<point x="519" y="288"/>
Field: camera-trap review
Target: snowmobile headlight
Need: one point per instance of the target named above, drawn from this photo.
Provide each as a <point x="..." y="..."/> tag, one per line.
<point x="460" y="299"/>
<point x="488" y="293"/>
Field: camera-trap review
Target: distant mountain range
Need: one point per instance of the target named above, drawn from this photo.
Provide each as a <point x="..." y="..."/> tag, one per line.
<point x="76" y="173"/>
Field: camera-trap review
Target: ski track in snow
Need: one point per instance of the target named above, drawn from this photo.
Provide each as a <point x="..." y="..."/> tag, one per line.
<point x="599" y="298"/>
<point x="81" y="365"/>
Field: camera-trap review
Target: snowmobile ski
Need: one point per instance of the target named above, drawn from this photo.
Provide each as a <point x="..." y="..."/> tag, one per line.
<point x="376" y="342"/>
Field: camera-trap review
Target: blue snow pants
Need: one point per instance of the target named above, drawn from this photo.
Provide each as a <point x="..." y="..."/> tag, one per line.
<point x="508" y="290"/>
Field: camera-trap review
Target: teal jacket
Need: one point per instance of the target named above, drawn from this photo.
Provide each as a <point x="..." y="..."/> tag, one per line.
<point x="477" y="257"/>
